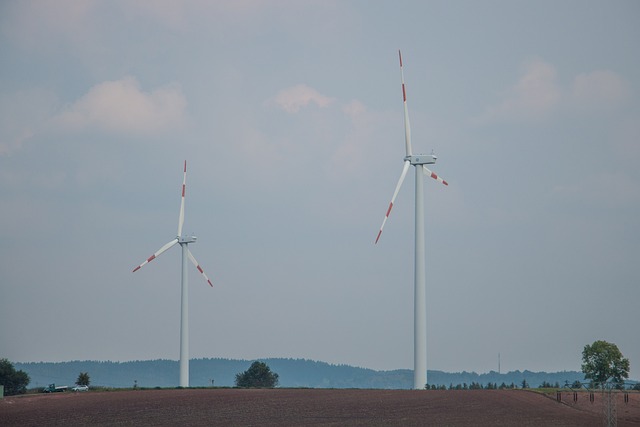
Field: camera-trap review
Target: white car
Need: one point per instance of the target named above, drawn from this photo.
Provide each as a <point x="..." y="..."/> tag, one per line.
<point x="81" y="388"/>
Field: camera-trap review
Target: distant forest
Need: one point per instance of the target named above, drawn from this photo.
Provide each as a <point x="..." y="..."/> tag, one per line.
<point x="292" y="373"/>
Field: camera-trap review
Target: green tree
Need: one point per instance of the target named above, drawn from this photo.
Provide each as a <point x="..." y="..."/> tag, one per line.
<point x="258" y="375"/>
<point x="14" y="382"/>
<point x="83" y="379"/>
<point x="602" y="361"/>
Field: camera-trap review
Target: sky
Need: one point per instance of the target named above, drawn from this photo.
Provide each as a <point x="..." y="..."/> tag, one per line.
<point x="289" y="115"/>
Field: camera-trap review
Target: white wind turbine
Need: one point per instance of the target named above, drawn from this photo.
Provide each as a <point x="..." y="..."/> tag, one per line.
<point x="183" y="241"/>
<point x="420" y="302"/>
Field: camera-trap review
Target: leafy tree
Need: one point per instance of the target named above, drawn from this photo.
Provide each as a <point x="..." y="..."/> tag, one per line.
<point x="576" y="384"/>
<point x="602" y="361"/>
<point x="14" y="382"/>
<point x="258" y="375"/>
<point x="83" y="379"/>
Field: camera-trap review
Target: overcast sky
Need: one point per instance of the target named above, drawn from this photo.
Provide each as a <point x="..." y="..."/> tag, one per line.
<point x="289" y="114"/>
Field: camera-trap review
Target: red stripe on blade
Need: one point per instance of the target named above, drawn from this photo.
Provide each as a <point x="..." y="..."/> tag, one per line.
<point x="183" y="189"/>
<point x="389" y="210"/>
<point x="151" y="258"/>
<point x="136" y="269"/>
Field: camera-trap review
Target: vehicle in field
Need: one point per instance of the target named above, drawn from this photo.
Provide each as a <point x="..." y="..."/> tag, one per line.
<point x="51" y="388"/>
<point x="81" y="388"/>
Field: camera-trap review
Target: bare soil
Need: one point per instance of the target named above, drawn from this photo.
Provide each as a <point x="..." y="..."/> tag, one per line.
<point x="312" y="407"/>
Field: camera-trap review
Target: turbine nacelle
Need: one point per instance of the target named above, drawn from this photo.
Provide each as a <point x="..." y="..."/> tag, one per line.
<point x="421" y="159"/>
<point x="186" y="239"/>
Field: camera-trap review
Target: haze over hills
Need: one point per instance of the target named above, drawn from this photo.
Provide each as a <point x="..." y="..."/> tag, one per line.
<point x="292" y="373"/>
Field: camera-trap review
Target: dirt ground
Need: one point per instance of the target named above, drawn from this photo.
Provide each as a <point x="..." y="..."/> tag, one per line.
<point x="313" y="407"/>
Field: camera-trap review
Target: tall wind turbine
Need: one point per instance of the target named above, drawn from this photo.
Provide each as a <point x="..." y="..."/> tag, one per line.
<point x="420" y="303"/>
<point x="183" y="241"/>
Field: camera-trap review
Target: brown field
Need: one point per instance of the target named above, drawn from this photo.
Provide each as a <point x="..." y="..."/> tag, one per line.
<point x="313" y="407"/>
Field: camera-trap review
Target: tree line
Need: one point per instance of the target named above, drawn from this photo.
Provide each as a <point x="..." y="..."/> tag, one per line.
<point x="603" y="365"/>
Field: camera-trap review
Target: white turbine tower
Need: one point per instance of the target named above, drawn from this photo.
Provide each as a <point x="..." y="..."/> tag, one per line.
<point x="183" y="241"/>
<point x="420" y="302"/>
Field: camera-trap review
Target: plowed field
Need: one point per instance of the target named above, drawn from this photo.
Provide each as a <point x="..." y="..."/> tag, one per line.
<point x="312" y="407"/>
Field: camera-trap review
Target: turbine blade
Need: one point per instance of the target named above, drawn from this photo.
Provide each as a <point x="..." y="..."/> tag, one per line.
<point x="407" y="126"/>
<point x="395" y="194"/>
<point x="154" y="256"/>
<point x="433" y="175"/>
<point x="184" y="187"/>
<point x="193" y="260"/>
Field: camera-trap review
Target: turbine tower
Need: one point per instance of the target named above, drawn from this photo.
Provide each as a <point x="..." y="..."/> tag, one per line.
<point x="183" y="241"/>
<point x="419" y="161"/>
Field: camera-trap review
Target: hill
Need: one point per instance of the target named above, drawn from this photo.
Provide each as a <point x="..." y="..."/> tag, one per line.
<point x="292" y="372"/>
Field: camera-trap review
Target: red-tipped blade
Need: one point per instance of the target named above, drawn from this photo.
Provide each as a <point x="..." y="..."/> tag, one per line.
<point x="407" y="126"/>
<point x="433" y="175"/>
<point x="395" y="194"/>
<point x="155" y="255"/>
<point x="193" y="260"/>
<point x="184" y="188"/>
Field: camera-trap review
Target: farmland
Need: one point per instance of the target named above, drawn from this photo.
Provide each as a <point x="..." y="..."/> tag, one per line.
<point x="313" y="407"/>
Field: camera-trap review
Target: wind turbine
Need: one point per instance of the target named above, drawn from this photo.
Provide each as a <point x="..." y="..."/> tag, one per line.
<point x="420" y="303"/>
<point x="183" y="241"/>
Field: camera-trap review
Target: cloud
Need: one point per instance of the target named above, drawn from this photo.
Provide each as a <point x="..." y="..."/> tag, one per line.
<point x="362" y="127"/>
<point x="120" y="106"/>
<point x="537" y="94"/>
<point x="16" y="142"/>
<point x="626" y="140"/>
<point x="36" y="24"/>
<point x="294" y="98"/>
<point x="600" y="190"/>
<point x="599" y="89"/>
<point x="21" y="116"/>
<point x="533" y="97"/>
